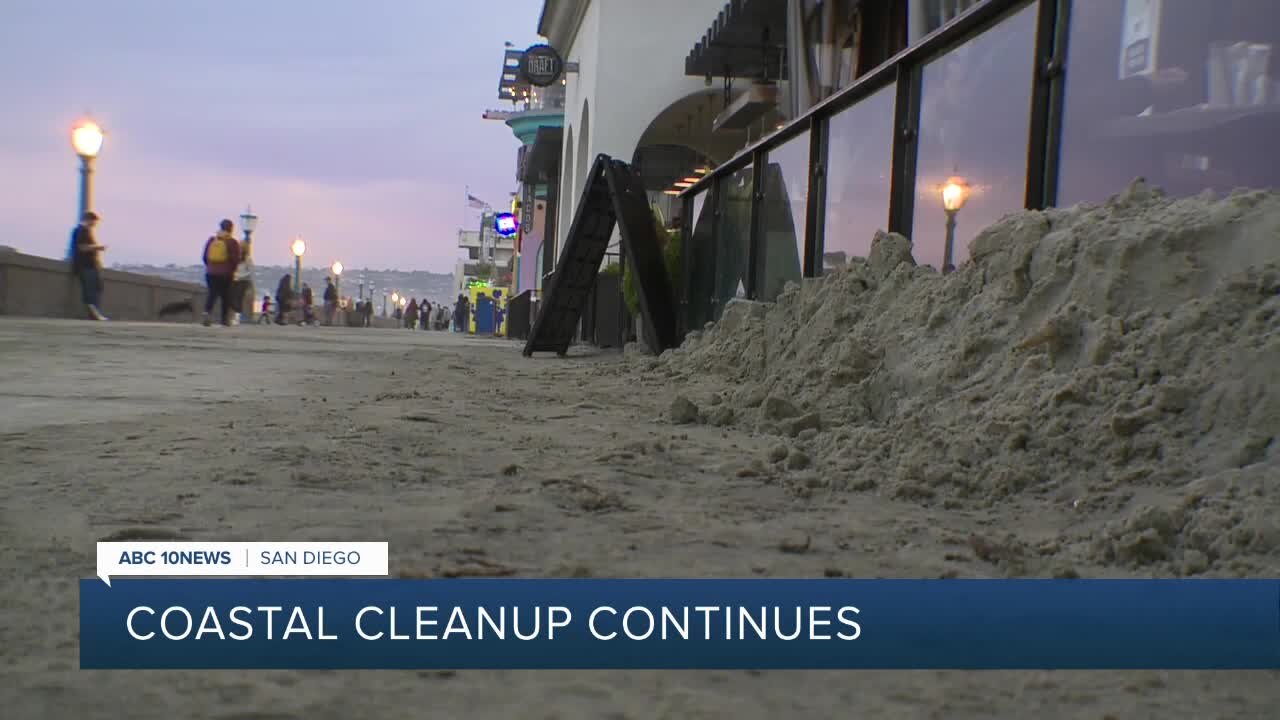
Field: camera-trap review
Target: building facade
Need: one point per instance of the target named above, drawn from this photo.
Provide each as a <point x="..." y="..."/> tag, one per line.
<point x="535" y="116"/>
<point x="790" y="131"/>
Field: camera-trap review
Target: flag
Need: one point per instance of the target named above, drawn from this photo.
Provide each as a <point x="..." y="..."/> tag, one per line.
<point x="475" y="202"/>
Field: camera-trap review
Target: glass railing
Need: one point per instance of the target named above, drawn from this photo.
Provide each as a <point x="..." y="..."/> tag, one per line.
<point x="987" y="115"/>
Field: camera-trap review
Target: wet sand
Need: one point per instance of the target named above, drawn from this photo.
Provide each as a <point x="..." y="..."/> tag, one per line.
<point x="470" y="460"/>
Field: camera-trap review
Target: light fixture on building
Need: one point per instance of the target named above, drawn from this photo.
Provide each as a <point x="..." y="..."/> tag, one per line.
<point x="671" y="192"/>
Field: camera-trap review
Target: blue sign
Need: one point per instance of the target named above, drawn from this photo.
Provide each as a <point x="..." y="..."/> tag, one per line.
<point x="506" y="224"/>
<point x="680" y="624"/>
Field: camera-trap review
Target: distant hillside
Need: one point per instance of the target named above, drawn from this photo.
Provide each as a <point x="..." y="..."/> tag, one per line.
<point x="436" y="287"/>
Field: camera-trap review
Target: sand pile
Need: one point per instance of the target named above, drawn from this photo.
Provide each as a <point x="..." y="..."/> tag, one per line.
<point x="1120" y="361"/>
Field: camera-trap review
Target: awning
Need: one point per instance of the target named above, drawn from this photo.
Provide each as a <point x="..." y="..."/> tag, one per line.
<point x="543" y="156"/>
<point x="747" y="40"/>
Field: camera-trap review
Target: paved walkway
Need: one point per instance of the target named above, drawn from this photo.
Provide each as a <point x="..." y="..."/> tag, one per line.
<point x="470" y="460"/>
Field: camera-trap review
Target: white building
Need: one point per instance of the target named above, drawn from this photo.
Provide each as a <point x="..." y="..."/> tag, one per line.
<point x="627" y="65"/>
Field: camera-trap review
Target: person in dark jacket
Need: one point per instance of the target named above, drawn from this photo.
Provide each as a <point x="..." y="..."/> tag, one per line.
<point x="86" y="264"/>
<point x="284" y="298"/>
<point x="221" y="257"/>
<point x="308" y="305"/>
<point x="330" y="301"/>
<point x="411" y="314"/>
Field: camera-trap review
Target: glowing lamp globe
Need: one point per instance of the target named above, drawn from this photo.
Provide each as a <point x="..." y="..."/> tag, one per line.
<point x="299" y="247"/>
<point x="86" y="138"/>
<point x="337" y="268"/>
<point x="955" y="193"/>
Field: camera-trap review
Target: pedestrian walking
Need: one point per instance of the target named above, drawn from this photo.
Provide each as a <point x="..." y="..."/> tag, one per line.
<point x="284" y="298"/>
<point x="221" y="256"/>
<point x="264" y="315"/>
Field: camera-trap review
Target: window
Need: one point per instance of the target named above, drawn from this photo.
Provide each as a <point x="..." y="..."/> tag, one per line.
<point x="974" y="121"/>
<point x="859" y="166"/>
<point x="782" y="216"/>
<point x="925" y="16"/>
<point x="733" y="239"/>
<point x="1183" y="93"/>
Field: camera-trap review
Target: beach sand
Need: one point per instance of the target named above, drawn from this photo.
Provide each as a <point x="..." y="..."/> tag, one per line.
<point x="333" y="434"/>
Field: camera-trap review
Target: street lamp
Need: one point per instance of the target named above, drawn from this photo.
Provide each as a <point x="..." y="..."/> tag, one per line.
<point x="299" y="248"/>
<point x="248" y="223"/>
<point x="86" y="138"/>
<point x="955" y="193"/>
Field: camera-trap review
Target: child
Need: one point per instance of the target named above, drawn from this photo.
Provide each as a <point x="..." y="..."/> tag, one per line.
<point x="264" y="316"/>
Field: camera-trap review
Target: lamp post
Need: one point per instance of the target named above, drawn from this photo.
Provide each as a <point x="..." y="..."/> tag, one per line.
<point x="86" y="138"/>
<point x="248" y="223"/>
<point x="337" y="276"/>
<point x="955" y="193"/>
<point x="299" y="248"/>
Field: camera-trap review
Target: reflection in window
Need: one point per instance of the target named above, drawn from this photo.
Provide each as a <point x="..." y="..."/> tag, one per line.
<point x="1183" y="93"/>
<point x="782" y="217"/>
<point x="859" y="164"/>
<point x="981" y="145"/>
<point x="733" y="238"/>
<point x="701" y="254"/>
<point x="925" y="16"/>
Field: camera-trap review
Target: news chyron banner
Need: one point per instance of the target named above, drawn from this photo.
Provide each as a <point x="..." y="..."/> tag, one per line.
<point x="332" y="606"/>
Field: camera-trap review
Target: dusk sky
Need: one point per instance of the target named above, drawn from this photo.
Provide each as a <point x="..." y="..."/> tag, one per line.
<point x="356" y="125"/>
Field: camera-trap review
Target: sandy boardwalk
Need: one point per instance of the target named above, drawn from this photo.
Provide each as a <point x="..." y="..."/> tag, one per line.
<point x="468" y="459"/>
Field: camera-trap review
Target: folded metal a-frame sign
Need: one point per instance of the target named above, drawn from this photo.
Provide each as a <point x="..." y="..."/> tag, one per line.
<point x="613" y="195"/>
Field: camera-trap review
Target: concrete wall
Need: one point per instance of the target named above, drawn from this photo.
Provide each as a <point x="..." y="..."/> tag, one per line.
<point x="42" y="287"/>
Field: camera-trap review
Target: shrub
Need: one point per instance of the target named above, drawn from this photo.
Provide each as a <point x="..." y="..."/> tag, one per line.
<point x="670" y="244"/>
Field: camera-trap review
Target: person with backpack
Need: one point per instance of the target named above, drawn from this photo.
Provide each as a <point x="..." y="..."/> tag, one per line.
<point x="221" y="257"/>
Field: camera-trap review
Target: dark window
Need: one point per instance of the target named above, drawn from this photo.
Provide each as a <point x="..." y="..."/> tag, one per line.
<point x="782" y="217"/>
<point x="733" y="235"/>
<point x="859" y="162"/>
<point x="975" y="105"/>
<point x="1183" y="93"/>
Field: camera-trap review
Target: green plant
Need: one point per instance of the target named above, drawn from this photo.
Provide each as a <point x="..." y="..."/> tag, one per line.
<point x="669" y="242"/>
<point x="612" y="268"/>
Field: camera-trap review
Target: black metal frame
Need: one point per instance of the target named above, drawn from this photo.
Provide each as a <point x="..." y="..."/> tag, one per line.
<point x="904" y="71"/>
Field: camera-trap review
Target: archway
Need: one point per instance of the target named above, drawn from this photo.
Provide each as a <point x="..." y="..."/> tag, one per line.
<point x="565" y="201"/>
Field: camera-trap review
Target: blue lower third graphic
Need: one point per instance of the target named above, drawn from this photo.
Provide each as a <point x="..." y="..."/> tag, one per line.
<point x="680" y="624"/>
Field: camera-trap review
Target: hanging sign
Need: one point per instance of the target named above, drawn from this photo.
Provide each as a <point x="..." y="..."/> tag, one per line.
<point x="541" y="65"/>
